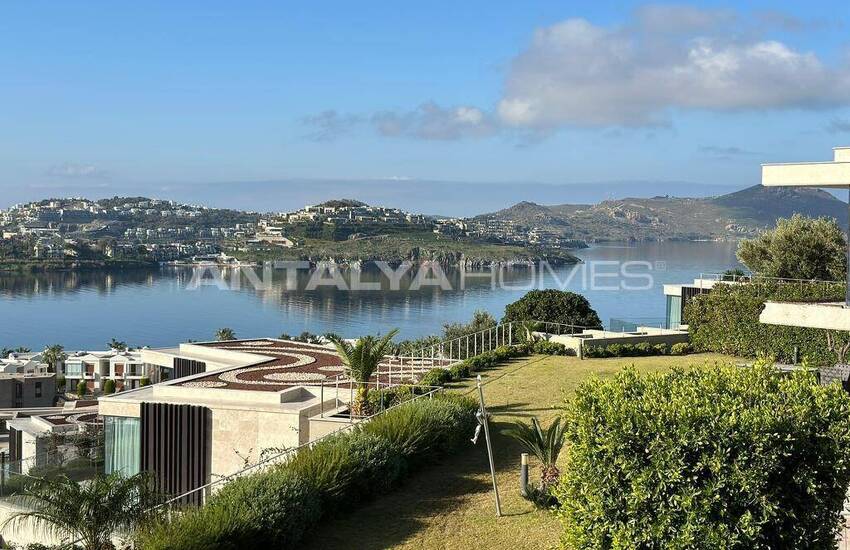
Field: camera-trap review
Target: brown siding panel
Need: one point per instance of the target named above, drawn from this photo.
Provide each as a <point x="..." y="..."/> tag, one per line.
<point x="175" y="447"/>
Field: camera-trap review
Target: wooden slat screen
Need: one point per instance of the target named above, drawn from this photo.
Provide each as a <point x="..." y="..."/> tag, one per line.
<point x="175" y="447"/>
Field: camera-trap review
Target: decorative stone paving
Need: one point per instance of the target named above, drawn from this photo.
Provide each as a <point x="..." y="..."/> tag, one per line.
<point x="284" y="363"/>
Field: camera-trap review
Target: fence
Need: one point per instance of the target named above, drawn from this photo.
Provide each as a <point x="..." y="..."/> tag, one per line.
<point x="754" y="278"/>
<point x="502" y="334"/>
<point x="76" y="463"/>
<point x="631" y="325"/>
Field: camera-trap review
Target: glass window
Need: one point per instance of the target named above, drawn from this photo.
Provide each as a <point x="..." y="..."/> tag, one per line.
<point x="74" y="370"/>
<point x="38" y="389"/>
<point x="123" y="444"/>
<point x="674" y="311"/>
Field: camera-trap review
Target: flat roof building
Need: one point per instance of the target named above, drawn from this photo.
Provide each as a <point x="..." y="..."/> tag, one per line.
<point x="229" y="402"/>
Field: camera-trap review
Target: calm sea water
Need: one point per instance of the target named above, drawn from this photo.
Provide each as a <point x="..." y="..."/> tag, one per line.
<point x="160" y="307"/>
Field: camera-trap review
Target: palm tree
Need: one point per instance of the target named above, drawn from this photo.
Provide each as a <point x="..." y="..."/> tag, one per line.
<point x="361" y="360"/>
<point x="22" y="349"/>
<point x="117" y="345"/>
<point x="89" y="512"/>
<point x="53" y="355"/>
<point x="224" y="334"/>
<point x="545" y="445"/>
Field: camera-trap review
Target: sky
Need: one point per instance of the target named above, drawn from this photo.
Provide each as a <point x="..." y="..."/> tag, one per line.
<point x="166" y="98"/>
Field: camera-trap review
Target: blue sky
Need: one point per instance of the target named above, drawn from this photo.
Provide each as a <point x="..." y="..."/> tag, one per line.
<point x="142" y="96"/>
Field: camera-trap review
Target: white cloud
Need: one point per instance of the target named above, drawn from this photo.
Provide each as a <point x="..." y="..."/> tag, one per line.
<point x="74" y="170"/>
<point x="575" y="73"/>
<point x="329" y="125"/>
<point x="431" y="121"/>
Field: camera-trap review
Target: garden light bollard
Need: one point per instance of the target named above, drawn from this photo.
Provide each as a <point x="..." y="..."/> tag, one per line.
<point x="523" y="475"/>
<point x="489" y="445"/>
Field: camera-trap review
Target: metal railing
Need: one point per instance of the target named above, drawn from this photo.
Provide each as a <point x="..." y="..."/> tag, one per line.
<point x="76" y="464"/>
<point x="501" y="334"/>
<point x="755" y="278"/>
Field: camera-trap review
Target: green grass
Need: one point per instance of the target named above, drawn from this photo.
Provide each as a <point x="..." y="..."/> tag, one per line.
<point x="451" y="505"/>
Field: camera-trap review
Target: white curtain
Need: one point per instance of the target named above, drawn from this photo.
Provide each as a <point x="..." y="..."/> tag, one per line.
<point x="123" y="445"/>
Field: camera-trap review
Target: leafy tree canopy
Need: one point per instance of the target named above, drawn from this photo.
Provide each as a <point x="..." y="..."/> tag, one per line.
<point x="798" y="248"/>
<point x="553" y="306"/>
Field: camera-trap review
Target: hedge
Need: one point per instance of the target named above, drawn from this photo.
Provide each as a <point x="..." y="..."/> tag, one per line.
<point x="716" y="457"/>
<point x="726" y="320"/>
<point x="640" y="349"/>
<point x="276" y="507"/>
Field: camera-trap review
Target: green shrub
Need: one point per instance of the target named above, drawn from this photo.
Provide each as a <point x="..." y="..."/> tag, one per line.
<point x="460" y="371"/>
<point x="436" y="377"/>
<point x="545" y="347"/>
<point x="595" y="352"/>
<point x="109" y="386"/>
<point x="718" y="457"/>
<point x="207" y="528"/>
<point x="660" y="349"/>
<point x="144" y="381"/>
<point x="643" y="349"/>
<point x="681" y="348"/>
<point x="386" y="398"/>
<point x="60" y="382"/>
<point x="426" y="428"/>
<point x="615" y="350"/>
<point x="276" y="507"/>
<point x="81" y="388"/>
<point x="726" y="320"/>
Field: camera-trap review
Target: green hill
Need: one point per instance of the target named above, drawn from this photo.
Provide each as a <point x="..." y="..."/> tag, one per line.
<point x="736" y="215"/>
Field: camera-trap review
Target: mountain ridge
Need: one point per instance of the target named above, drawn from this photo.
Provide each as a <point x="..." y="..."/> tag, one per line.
<point x="740" y="214"/>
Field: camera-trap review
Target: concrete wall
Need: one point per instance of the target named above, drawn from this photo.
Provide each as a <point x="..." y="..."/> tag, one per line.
<point x="248" y="432"/>
<point x="833" y="316"/>
<point x="28" y="399"/>
<point x="603" y="338"/>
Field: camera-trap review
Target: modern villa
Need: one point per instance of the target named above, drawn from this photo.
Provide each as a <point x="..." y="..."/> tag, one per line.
<point x="125" y="368"/>
<point x="228" y="403"/>
<point x="830" y="174"/>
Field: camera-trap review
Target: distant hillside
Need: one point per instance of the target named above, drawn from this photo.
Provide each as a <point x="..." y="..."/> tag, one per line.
<point x="735" y="215"/>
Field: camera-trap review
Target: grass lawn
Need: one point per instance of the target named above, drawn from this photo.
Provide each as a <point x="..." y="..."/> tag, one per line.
<point x="451" y="505"/>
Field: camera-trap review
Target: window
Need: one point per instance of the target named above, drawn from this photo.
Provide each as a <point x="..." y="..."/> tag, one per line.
<point x="38" y="389"/>
<point x="123" y="444"/>
<point x="674" y="311"/>
<point x="19" y="390"/>
<point x="73" y="370"/>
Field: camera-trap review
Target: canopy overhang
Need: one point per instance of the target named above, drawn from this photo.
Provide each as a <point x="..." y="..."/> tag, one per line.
<point x="835" y="173"/>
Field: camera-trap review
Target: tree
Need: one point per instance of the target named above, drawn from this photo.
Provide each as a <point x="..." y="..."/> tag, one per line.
<point x="89" y="512"/>
<point x="81" y="388"/>
<point x="553" y="306"/>
<point x="361" y="360"/>
<point x="22" y="349"/>
<point x="798" y="248"/>
<point x="545" y="445"/>
<point x="224" y="334"/>
<point x="481" y="320"/>
<point x="117" y="345"/>
<point x="109" y="386"/>
<point x="53" y="355"/>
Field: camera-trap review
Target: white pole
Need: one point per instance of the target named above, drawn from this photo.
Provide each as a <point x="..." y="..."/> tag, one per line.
<point x="489" y="446"/>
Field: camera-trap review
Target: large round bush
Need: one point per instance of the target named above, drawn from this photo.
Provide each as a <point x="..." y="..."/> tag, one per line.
<point x="718" y="457"/>
<point x="553" y="306"/>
